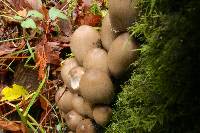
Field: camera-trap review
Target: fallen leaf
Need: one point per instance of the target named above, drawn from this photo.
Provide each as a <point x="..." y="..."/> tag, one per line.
<point x="22" y="13"/>
<point x="35" y="4"/>
<point x="83" y="14"/>
<point x="7" y="48"/>
<point x="65" y="27"/>
<point x="45" y="106"/>
<point x="13" y="126"/>
<point x="90" y="19"/>
<point x="41" y="58"/>
<point x="13" y="93"/>
<point x="52" y="52"/>
<point x="19" y="4"/>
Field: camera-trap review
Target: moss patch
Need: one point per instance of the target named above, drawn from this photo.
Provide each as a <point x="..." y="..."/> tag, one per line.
<point x="162" y="94"/>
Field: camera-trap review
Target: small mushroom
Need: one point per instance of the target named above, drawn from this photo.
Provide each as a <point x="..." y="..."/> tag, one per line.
<point x="96" y="87"/>
<point x="102" y="114"/>
<point x="75" y="75"/>
<point x="96" y="59"/>
<point x="122" y="14"/>
<point x="121" y="54"/>
<point x="83" y="39"/>
<point x="85" y="126"/>
<point x="65" y="102"/>
<point x="72" y="119"/>
<point x="67" y="65"/>
<point x="82" y="106"/>
<point x="107" y="35"/>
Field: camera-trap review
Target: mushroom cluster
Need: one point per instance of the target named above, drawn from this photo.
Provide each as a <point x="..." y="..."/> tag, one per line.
<point x="85" y="98"/>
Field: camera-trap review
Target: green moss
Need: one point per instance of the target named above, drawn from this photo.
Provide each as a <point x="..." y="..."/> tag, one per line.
<point x="162" y="94"/>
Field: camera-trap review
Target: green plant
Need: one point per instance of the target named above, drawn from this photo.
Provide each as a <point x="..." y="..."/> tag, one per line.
<point x="162" y="95"/>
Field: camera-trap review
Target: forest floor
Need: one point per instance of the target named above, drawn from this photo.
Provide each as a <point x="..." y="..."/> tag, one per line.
<point x="34" y="40"/>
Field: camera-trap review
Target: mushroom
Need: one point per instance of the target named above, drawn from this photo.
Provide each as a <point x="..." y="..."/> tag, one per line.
<point x="96" y="87"/>
<point x="102" y="114"/>
<point x="75" y="75"/>
<point x="107" y="35"/>
<point x="72" y="119"/>
<point x="97" y="59"/>
<point x="65" y="102"/>
<point x="85" y="126"/>
<point x="67" y="65"/>
<point x="83" y="39"/>
<point x="82" y="106"/>
<point x="122" y="14"/>
<point x="121" y="54"/>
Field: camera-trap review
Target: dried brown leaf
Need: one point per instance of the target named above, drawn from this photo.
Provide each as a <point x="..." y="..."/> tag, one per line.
<point x="13" y="126"/>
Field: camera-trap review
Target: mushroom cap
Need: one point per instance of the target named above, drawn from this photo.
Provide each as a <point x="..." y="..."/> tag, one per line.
<point x="65" y="102"/>
<point x="67" y="65"/>
<point x="102" y="114"/>
<point x="82" y="106"/>
<point x="72" y="119"/>
<point x="96" y="58"/>
<point x="121" y="54"/>
<point x="107" y="35"/>
<point x="75" y="75"/>
<point x="85" y="126"/>
<point x="96" y="87"/>
<point x="83" y="39"/>
<point x="122" y="14"/>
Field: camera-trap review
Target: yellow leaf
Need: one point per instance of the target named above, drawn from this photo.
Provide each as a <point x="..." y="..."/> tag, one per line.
<point x="13" y="93"/>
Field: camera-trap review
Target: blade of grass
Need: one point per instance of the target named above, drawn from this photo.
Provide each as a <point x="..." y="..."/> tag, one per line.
<point x="30" y="50"/>
<point x="36" y="123"/>
<point x="32" y="127"/>
<point x="12" y="39"/>
<point x="24" y="120"/>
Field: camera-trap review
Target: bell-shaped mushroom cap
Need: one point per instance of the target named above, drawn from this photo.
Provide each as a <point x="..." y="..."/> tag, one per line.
<point x="65" y="102"/>
<point x="121" y="54"/>
<point x="122" y="14"/>
<point x="83" y="39"/>
<point x="72" y="119"/>
<point x="102" y="114"/>
<point x="67" y="65"/>
<point x="96" y="58"/>
<point x="86" y="126"/>
<point x="81" y="106"/>
<point x="107" y="35"/>
<point x="96" y="87"/>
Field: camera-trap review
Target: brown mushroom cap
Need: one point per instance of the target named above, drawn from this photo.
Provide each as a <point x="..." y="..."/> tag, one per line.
<point x="75" y="75"/>
<point x="72" y="119"/>
<point x="85" y="126"/>
<point x="107" y="35"/>
<point x="96" y="87"/>
<point x="121" y="54"/>
<point x="67" y="65"/>
<point x="102" y="114"/>
<point x="65" y="102"/>
<point x="81" y="106"/>
<point x="83" y="39"/>
<point x="122" y="13"/>
<point x="96" y="59"/>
